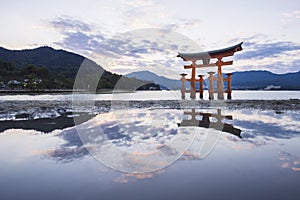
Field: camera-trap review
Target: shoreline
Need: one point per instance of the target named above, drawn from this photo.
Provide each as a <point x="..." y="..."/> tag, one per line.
<point x="70" y="91"/>
<point x="290" y="104"/>
<point x="105" y="91"/>
<point x="16" y="92"/>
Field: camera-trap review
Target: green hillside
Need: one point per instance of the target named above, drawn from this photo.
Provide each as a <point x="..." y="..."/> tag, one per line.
<point x="47" y="68"/>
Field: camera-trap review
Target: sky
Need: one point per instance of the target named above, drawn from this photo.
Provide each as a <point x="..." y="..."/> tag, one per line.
<point x="133" y="35"/>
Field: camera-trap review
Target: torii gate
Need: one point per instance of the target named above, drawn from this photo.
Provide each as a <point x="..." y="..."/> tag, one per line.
<point x="205" y="57"/>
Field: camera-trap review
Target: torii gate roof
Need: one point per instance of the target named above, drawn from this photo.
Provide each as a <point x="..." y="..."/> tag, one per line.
<point x="229" y="51"/>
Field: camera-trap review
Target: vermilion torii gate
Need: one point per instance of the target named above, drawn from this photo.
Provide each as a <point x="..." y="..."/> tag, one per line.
<point x="205" y="58"/>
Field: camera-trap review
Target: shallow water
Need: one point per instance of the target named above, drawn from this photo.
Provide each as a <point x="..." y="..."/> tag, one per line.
<point x="191" y="157"/>
<point x="152" y="95"/>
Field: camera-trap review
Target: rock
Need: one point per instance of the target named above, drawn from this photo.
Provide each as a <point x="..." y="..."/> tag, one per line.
<point x="22" y="115"/>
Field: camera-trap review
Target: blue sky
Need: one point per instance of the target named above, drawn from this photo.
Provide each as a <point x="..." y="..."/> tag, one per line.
<point x="270" y="30"/>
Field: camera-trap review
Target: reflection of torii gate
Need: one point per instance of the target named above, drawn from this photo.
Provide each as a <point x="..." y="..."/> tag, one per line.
<point x="206" y="123"/>
<point x="205" y="57"/>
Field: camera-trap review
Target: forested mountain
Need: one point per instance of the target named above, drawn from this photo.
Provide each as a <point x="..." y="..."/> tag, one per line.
<point x="47" y="68"/>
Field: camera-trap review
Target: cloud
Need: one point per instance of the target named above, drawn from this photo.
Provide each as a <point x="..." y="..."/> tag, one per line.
<point x="80" y="36"/>
<point x="77" y="35"/>
<point x="282" y="66"/>
<point x="153" y="51"/>
<point x="184" y="24"/>
<point x="251" y="39"/>
<point x="289" y="19"/>
<point x="78" y="41"/>
<point x="145" y="13"/>
<point x="139" y="13"/>
<point x="139" y="3"/>
<point x="67" y="23"/>
<point x="263" y="53"/>
<point x="294" y="14"/>
<point x="143" y="49"/>
<point x="263" y="50"/>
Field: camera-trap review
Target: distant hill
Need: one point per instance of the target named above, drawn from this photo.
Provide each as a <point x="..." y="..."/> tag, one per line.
<point x="48" y="68"/>
<point x="165" y="83"/>
<point x="251" y="80"/>
<point x="263" y="79"/>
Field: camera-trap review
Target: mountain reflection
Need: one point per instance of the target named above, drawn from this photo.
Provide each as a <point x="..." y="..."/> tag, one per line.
<point x="46" y="125"/>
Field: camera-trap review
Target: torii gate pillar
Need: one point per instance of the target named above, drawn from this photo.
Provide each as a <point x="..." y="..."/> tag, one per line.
<point x="220" y="82"/>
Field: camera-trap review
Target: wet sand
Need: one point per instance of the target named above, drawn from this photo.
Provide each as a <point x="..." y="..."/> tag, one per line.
<point x="19" y="107"/>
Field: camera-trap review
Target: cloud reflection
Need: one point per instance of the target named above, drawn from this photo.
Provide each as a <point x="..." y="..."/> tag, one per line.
<point x="71" y="150"/>
<point x="131" y="177"/>
<point x="259" y="128"/>
<point x="290" y="161"/>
